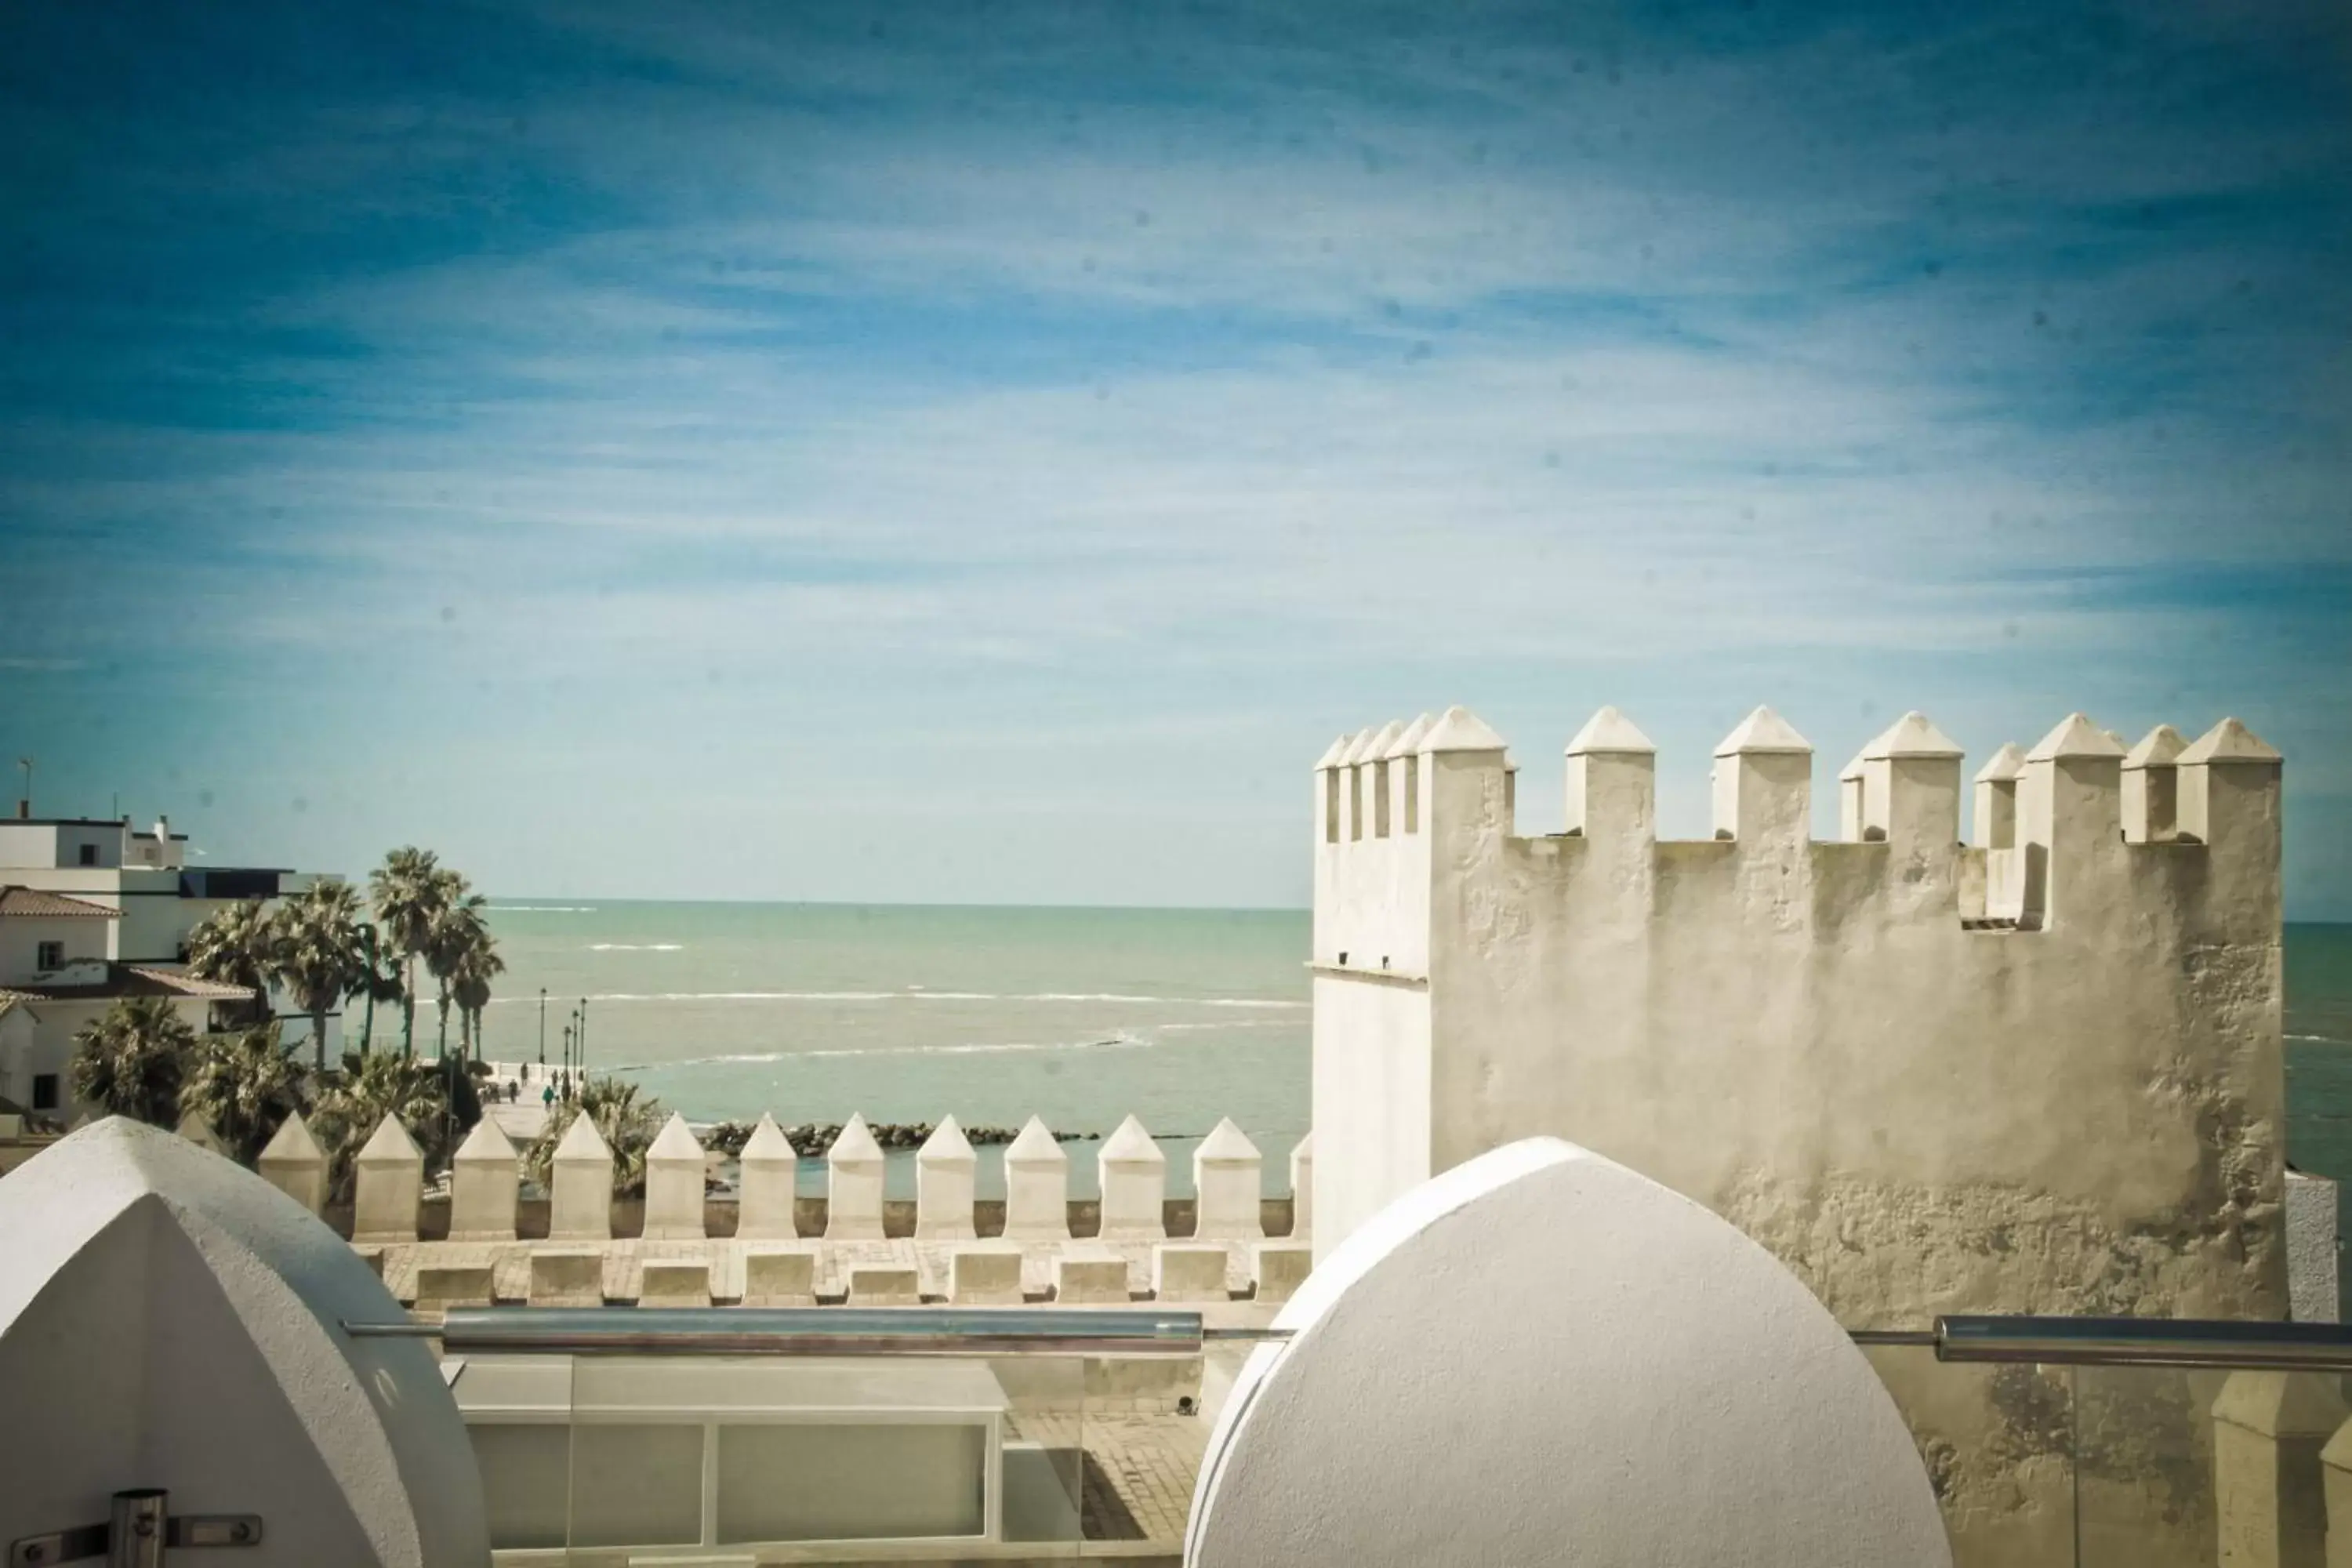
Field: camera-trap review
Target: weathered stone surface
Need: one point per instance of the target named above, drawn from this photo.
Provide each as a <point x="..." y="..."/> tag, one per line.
<point x="984" y="1276"/>
<point x="779" y="1276"/>
<point x="567" y="1278"/>
<point x="675" y="1282"/>
<point x="1181" y="1271"/>
<point x="1090" y="1279"/>
<point x="1279" y="1267"/>
<point x="441" y="1286"/>
<point x="884" y="1285"/>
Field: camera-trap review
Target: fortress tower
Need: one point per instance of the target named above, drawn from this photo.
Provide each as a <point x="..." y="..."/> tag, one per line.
<point x="2037" y="1072"/>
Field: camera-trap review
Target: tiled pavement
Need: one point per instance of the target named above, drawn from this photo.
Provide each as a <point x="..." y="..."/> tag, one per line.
<point x="1140" y="1470"/>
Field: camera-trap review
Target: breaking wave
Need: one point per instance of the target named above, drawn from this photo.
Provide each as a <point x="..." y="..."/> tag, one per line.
<point x="1116" y="1043"/>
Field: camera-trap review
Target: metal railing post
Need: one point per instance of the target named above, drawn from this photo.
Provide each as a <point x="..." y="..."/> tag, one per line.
<point x="135" y="1531"/>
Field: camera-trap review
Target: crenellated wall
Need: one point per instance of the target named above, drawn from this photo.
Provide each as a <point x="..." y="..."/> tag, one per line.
<point x="2039" y="1071"/>
<point x="583" y="1247"/>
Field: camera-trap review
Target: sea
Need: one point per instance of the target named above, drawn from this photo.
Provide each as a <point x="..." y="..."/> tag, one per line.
<point x="909" y="1013"/>
<point x="1083" y="1016"/>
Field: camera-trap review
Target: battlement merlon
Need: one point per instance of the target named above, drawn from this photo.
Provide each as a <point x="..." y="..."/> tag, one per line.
<point x="1911" y="786"/>
<point x="2151" y="787"/>
<point x="2228" y="798"/>
<point x="1763" y="783"/>
<point x="1996" y="803"/>
<point x="1612" y="781"/>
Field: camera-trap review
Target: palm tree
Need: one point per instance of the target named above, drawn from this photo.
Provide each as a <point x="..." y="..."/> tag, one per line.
<point x="245" y="1086"/>
<point x="627" y="1124"/>
<point x="131" y="1061"/>
<point x="321" y="954"/>
<point x="236" y="944"/>
<point x="376" y="980"/>
<point x="373" y="1087"/>
<point x="459" y="927"/>
<point x="407" y="890"/>
<point x="470" y="986"/>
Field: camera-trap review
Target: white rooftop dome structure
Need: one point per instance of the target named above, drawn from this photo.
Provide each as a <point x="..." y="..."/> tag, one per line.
<point x="1541" y="1356"/>
<point x="175" y="1323"/>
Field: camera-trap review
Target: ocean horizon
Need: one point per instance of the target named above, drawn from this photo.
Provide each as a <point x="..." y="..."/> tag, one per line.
<point x="1080" y="1014"/>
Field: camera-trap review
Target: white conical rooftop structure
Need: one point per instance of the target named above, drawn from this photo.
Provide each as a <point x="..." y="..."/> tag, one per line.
<point x="1609" y="731"/>
<point x="1852" y="770"/>
<point x="2075" y="736"/>
<point x="2004" y="765"/>
<point x="947" y="1145"/>
<point x="292" y="1142"/>
<point x="1356" y="744"/>
<point x="676" y="1140"/>
<point x="1036" y="1143"/>
<point x="1408" y="743"/>
<point x="855" y="1140"/>
<point x="767" y="1142"/>
<point x="1459" y="729"/>
<point x="581" y="1142"/>
<point x="1913" y="735"/>
<point x="389" y="1141"/>
<point x="487" y="1142"/>
<point x="2228" y="741"/>
<point x="2158" y="747"/>
<point x="1226" y="1141"/>
<point x="1130" y="1144"/>
<point x="1332" y="753"/>
<point x="197" y="1130"/>
<point x="1764" y="732"/>
<point x="1383" y="741"/>
<point x="214" y="1323"/>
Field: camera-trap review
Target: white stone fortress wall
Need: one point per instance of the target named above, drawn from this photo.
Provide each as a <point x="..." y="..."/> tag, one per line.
<point x="2039" y="1071"/>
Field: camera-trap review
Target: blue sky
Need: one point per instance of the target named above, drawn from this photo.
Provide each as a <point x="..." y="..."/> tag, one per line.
<point x="984" y="452"/>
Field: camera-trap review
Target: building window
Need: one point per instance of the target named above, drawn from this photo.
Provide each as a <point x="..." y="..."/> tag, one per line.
<point x="45" y="1091"/>
<point x="89" y="853"/>
<point x="50" y="955"/>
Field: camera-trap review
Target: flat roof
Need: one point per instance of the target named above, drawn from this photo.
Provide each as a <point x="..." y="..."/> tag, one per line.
<point x="114" y="821"/>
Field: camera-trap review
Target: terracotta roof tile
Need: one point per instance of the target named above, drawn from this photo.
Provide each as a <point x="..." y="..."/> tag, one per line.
<point x="33" y="901"/>
<point x="126" y="980"/>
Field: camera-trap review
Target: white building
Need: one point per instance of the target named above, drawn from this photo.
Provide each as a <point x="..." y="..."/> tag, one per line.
<point x="57" y="975"/>
<point x="97" y="910"/>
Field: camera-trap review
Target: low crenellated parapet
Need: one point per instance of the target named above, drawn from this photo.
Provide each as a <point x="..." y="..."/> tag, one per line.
<point x="485" y="1201"/>
<point x="1442" y="795"/>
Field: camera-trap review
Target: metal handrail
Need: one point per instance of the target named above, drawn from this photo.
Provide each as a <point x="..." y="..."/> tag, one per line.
<point x="2146" y="1341"/>
<point x="812" y="1332"/>
<point x="1960" y="1339"/>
